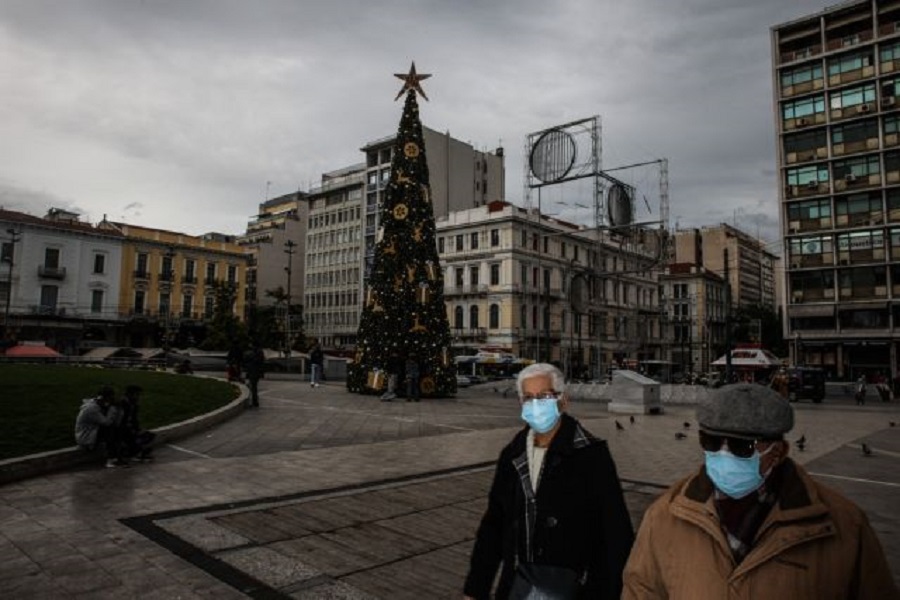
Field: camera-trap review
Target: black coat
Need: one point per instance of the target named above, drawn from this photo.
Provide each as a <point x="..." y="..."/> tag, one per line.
<point x="578" y="520"/>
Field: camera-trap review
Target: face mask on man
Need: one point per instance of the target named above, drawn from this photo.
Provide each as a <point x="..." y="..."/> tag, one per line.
<point x="541" y="414"/>
<point x="732" y="475"/>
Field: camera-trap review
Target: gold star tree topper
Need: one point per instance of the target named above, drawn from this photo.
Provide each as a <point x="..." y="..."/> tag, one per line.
<point x="411" y="81"/>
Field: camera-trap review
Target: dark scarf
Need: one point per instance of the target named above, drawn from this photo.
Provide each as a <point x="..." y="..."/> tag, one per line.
<point x="741" y="519"/>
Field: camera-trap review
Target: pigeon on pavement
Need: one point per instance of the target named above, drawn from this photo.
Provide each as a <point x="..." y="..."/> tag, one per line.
<point x="632" y="419"/>
<point x="619" y="426"/>
<point x="686" y="425"/>
<point x="867" y="451"/>
<point x="679" y="435"/>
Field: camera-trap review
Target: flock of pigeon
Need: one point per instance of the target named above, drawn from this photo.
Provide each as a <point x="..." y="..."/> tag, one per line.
<point x="799" y="442"/>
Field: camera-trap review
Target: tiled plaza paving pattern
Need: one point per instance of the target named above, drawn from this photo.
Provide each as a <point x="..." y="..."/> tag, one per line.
<point x="408" y="539"/>
<point x="243" y="506"/>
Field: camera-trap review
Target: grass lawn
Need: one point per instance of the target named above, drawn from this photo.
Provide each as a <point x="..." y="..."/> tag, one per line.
<point x="39" y="403"/>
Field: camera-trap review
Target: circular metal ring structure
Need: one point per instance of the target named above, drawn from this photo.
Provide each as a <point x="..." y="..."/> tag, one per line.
<point x="552" y="155"/>
<point x="618" y="206"/>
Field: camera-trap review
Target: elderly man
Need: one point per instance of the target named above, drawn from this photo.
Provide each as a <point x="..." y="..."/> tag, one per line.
<point x="556" y="517"/>
<point x="752" y="523"/>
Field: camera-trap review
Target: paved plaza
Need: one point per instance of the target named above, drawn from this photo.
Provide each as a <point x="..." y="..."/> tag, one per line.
<point x="324" y="494"/>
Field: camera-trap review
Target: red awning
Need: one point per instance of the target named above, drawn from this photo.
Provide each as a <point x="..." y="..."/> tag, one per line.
<point x="31" y="351"/>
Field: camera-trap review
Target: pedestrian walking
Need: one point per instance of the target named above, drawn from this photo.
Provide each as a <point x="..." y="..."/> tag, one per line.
<point x="861" y="390"/>
<point x="316" y="362"/>
<point x="254" y="368"/>
<point x="556" y="518"/>
<point x="752" y="523"/>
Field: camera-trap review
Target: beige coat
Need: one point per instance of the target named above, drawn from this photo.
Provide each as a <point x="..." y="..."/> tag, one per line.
<point x="813" y="544"/>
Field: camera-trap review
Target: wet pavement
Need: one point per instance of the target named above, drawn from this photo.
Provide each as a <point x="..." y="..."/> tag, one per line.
<point x="324" y="494"/>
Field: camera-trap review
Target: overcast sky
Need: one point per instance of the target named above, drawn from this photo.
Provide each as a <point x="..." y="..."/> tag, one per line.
<point x="175" y="113"/>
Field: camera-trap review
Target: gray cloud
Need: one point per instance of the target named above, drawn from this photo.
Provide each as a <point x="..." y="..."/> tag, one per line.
<point x="169" y="104"/>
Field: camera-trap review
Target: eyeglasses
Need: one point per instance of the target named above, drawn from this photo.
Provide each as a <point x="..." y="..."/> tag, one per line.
<point x="549" y="395"/>
<point x="740" y="447"/>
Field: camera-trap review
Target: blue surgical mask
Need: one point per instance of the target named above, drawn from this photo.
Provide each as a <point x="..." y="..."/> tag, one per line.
<point x="732" y="475"/>
<point x="541" y="414"/>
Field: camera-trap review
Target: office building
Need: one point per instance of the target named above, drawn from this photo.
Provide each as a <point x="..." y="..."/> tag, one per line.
<point x="836" y="82"/>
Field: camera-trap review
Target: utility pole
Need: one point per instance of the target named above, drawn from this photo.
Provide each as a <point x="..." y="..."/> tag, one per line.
<point x="289" y="250"/>
<point x="728" y="370"/>
<point x="15" y="237"/>
<point x="168" y="274"/>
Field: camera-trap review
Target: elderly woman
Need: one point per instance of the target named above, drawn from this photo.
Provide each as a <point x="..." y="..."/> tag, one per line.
<point x="556" y="518"/>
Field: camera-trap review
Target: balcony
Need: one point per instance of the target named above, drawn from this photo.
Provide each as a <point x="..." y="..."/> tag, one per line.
<point x="466" y="290"/>
<point x="46" y="310"/>
<point x="189" y="279"/>
<point x="210" y="281"/>
<point x="51" y="272"/>
<point x="167" y="277"/>
<point x="477" y="333"/>
<point x="142" y="275"/>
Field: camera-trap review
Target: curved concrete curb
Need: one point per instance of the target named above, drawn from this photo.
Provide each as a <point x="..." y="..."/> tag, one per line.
<point x="14" y="469"/>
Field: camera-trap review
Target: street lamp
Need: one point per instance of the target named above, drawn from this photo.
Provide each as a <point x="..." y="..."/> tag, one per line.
<point x="289" y="250"/>
<point x="16" y="236"/>
<point x="169" y="277"/>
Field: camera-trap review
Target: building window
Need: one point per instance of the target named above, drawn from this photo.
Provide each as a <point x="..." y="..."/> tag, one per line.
<point x="474" y="276"/>
<point x="165" y="303"/>
<point x="139" y="302"/>
<point x="849" y="62"/>
<point x="458" y="317"/>
<point x="187" y="306"/>
<point x="141" y="270"/>
<point x="99" y="263"/>
<point x="473" y="317"/>
<point x="495" y="274"/>
<point x="523" y="317"/>
<point x="210" y="273"/>
<point x="523" y="276"/>
<point x="96" y="301"/>
<point x="495" y="238"/>
<point x="473" y="242"/>
<point x="190" y="274"/>
<point x="546" y="244"/>
<point x="49" y="296"/>
<point x="440" y="245"/>
<point x="209" y="304"/>
<point x="51" y="258"/>
<point x="232" y="274"/>
<point x="803" y="108"/>
<point x="854" y="96"/>
<point x="524" y="236"/>
<point x="459" y="243"/>
<point x="167" y="274"/>
<point x="802" y="74"/>
<point x="563" y="249"/>
<point x="494" y="317"/>
<point x="6" y="252"/>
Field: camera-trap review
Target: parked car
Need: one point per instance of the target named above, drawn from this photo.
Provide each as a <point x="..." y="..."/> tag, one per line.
<point x="463" y="381"/>
<point x="806" y="383"/>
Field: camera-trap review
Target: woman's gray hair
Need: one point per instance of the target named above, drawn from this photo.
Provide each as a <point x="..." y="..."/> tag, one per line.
<point x="557" y="379"/>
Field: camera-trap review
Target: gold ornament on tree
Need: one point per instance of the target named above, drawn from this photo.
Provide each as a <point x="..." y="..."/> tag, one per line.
<point x="410" y="273"/>
<point x="427" y="385"/>
<point x="417" y="327"/>
<point x="430" y="270"/>
<point x="445" y="357"/>
<point x="400" y="212"/>
<point x="417" y="232"/>
<point x="411" y="150"/>
<point x="423" y="293"/>
<point x="390" y="248"/>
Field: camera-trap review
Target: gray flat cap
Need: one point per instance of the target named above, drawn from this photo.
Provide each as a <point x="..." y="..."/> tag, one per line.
<point x="746" y="410"/>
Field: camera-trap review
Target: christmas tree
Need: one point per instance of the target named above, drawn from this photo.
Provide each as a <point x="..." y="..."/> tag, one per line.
<point x="403" y="316"/>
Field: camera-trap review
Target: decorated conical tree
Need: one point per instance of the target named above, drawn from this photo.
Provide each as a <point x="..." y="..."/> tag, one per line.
<point x="403" y="315"/>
